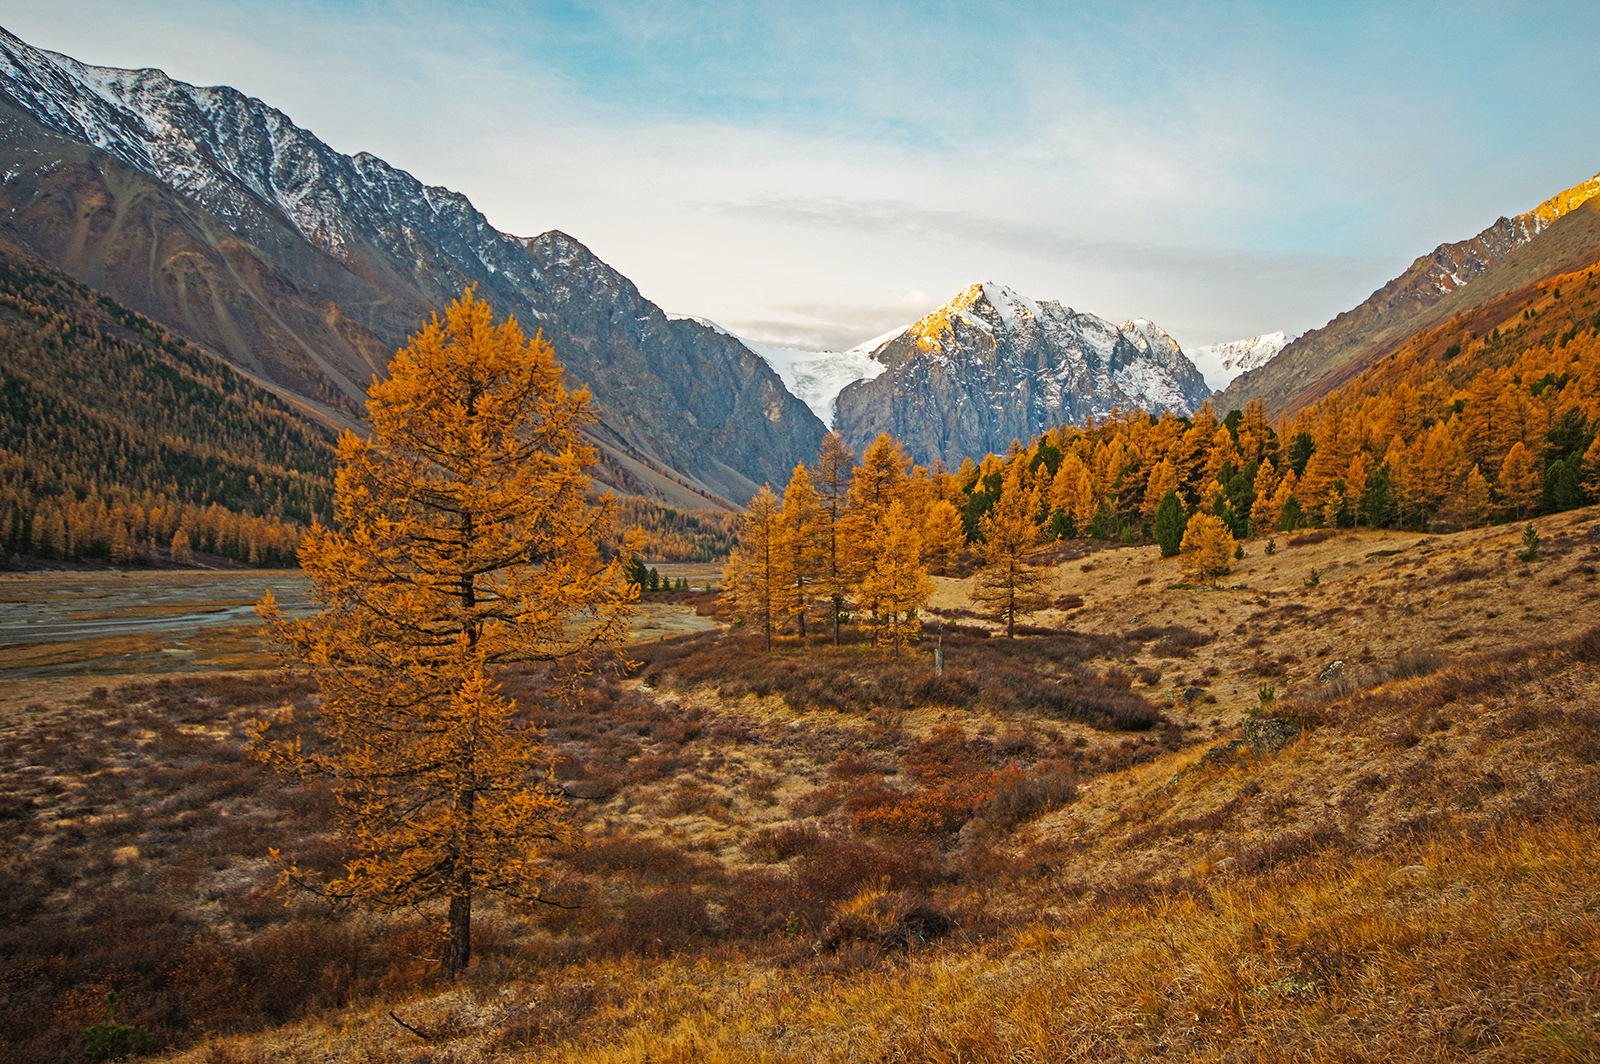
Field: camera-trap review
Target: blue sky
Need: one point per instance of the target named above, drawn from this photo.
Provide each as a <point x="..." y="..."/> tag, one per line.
<point x="815" y="173"/>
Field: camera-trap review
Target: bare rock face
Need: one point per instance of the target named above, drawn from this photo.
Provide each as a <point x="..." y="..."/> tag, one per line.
<point x="215" y="214"/>
<point x="992" y="366"/>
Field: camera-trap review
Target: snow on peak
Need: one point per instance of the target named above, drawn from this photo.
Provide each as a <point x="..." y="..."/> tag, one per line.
<point x="1009" y="303"/>
<point x="1221" y="363"/>
<point x="814" y="377"/>
<point x="873" y="345"/>
<point x="235" y="155"/>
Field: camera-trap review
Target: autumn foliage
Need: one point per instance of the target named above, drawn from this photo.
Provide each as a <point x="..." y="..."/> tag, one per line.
<point x="464" y="542"/>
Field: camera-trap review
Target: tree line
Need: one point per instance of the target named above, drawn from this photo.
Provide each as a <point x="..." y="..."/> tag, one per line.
<point x="1436" y="436"/>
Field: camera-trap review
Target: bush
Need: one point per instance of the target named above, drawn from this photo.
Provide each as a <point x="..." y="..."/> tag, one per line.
<point x="1019" y="796"/>
<point x="884" y="920"/>
<point x="662" y="922"/>
<point x="111" y="1040"/>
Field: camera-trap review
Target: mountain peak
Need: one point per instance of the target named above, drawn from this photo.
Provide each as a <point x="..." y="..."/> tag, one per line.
<point x="992" y="365"/>
<point x="307" y="266"/>
<point x="1563" y="202"/>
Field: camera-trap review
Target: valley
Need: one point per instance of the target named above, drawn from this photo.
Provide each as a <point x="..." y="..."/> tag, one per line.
<point x="993" y="690"/>
<point x="790" y="854"/>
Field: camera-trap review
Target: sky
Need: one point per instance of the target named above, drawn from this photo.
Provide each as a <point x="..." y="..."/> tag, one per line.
<point x="814" y="174"/>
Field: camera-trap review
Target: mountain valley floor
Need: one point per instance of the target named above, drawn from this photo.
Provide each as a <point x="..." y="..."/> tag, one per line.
<point x="1082" y="844"/>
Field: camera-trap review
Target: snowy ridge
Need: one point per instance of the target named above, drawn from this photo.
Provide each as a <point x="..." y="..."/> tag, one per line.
<point x="993" y="365"/>
<point x="235" y="155"/>
<point x="817" y="377"/>
<point x="675" y="396"/>
<point x="814" y="377"/>
<point x="1221" y="363"/>
<point x="1086" y="357"/>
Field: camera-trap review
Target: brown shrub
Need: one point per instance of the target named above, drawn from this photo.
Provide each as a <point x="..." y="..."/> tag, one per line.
<point x="884" y="920"/>
<point x="1017" y="796"/>
<point x="630" y="855"/>
<point x="658" y="923"/>
<point x="779" y="843"/>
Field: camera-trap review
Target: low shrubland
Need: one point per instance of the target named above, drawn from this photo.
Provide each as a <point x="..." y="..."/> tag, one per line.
<point x="832" y="853"/>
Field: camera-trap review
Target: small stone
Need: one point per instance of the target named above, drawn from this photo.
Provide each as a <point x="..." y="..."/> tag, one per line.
<point x="1268" y="735"/>
<point x="1224" y="866"/>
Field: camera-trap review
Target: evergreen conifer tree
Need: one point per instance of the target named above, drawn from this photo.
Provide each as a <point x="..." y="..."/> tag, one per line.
<point x="1170" y="523"/>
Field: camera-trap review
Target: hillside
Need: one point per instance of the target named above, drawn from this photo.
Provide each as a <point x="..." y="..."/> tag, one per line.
<point x="828" y="855"/>
<point x="114" y="434"/>
<point x="217" y="216"/>
<point x="1561" y="235"/>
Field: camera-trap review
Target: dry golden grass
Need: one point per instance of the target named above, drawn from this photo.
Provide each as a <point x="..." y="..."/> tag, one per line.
<point x="1482" y="947"/>
<point x="1416" y="878"/>
<point x="103" y="653"/>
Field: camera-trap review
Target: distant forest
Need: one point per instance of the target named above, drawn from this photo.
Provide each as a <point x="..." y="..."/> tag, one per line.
<point x="122" y="443"/>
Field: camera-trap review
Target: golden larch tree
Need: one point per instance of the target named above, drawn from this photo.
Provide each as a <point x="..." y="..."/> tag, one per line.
<point x="182" y="553"/>
<point x="831" y="479"/>
<point x="897" y="585"/>
<point x="1262" y="516"/>
<point x="757" y="574"/>
<point x="804" y="539"/>
<point x="1519" y="480"/>
<point x="879" y="482"/>
<point x="1011" y="583"/>
<point x="1207" y="548"/>
<point x="1284" y="492"/>
<point x="1590" y="471"/>
<point x="464" y="541"/>
<point x="1474" y="503"/>
<point x="1163" y="478"/>
<point x="944" y="536"/>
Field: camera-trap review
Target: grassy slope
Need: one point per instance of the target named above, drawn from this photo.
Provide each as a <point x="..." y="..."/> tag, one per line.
<point x="1417" y="878"/>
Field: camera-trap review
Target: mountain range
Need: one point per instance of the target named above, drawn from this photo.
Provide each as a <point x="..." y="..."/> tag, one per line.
<point x="992" y="366"/>
<point x="239" y="231"/>
<point x="1558" y="236"/>
<point x="216" y="215"/>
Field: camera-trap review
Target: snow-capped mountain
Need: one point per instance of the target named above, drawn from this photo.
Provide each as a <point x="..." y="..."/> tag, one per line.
<point x="1220" y="363"/>
<point x="817" y="377"/>
<point x="992" y="365"/>
<point x="215" y="214"/>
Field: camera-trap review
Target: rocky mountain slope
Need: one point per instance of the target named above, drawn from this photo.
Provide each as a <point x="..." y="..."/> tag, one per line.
<point x="216" y="215"/>
<point x="816" y="377"/>
<point x="101" y="407"/>
<point x="1559" y="235"/>
<point x="992" y="366"/>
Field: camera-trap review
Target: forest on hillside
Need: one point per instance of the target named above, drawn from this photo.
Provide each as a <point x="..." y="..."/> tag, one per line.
<point x="120" y="442"/>
<point x="1486" y="420"/>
